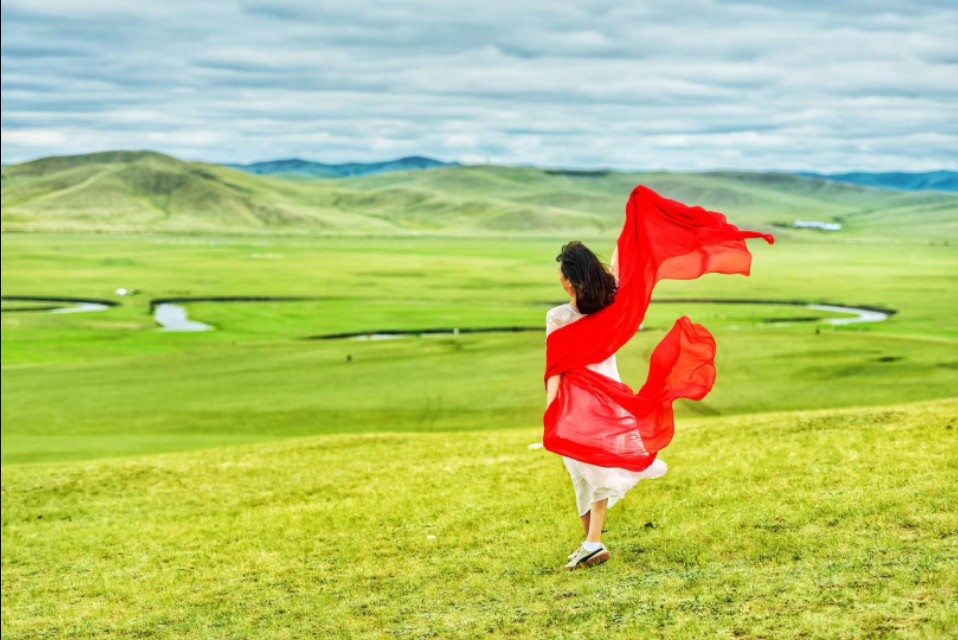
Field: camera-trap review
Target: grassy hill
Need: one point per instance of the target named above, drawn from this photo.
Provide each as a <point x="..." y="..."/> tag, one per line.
<point x="810" y="524"/>
<point x="756" y="199"/>
<point x="146" y="191"/>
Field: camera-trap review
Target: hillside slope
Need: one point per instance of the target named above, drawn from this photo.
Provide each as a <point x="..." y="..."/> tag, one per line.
<point x="760" y="200"/>
<point x="145" y="191"/>
<point x="824" y="524"/>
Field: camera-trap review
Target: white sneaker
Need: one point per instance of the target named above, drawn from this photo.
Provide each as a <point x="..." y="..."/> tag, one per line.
<point x="572" y="555"/>
<point x="582" y="558"/>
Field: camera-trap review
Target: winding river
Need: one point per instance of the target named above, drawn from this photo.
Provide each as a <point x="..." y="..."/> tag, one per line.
<point x="59" y="305"/>
<point x="172" y="316"/>
<point x="858" y="315"/>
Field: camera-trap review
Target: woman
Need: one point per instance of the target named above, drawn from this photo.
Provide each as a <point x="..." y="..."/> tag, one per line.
<point x="608" y="435"/>
<point x="591" y="288"/>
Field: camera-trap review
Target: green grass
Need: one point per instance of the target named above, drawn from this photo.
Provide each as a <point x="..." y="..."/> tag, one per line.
<point x="248" y="482"/>
<point x="830" y="524"/>
<point x="227" y="394"/>
<point x="90" y="385"/>
<point x="455" y="275"/>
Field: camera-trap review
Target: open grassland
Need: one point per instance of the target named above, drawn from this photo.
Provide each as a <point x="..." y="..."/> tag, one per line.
<point x="221" y="394"/>
<point x="827" y="524"/>
<point x="108" y="383"/>
<point x="476" y="282"/>
<point x="385" y="488"/>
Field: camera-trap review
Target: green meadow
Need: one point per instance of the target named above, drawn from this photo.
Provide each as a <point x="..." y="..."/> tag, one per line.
<point x="810" y="524"/>
<point x="257" y="481"/>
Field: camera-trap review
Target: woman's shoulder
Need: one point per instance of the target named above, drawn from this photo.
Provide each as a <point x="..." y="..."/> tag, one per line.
<point x="563" y="310"/>
<point x="560" y="316"/>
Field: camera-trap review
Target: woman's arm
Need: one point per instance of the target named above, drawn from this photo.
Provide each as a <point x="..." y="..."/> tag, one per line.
<point x="614" y="264"/>
<point x="552" y="388"/>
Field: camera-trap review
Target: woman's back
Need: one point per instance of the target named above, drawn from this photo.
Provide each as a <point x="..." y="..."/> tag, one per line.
<point x="566" y="314"/>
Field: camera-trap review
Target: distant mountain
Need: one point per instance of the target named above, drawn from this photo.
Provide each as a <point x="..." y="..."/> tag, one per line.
<point x="925" y="181"/>
<point x="295" y="166"/>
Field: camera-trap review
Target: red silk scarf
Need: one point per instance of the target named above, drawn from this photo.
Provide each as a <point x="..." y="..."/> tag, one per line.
<point x="597" y="420"/>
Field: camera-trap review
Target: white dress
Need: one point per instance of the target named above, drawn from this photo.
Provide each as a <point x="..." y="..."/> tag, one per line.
<point x="591" y="482"/>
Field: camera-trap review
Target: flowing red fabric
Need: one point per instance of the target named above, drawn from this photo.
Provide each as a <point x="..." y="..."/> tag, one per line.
<point x="597" y="420"/>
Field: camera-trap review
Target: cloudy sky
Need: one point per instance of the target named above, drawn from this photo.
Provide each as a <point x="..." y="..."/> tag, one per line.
<point x="686" y="85"/>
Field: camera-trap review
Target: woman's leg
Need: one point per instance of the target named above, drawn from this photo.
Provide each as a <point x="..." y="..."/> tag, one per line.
<point x="583" y="492"/>
<point x="596" y="520"/>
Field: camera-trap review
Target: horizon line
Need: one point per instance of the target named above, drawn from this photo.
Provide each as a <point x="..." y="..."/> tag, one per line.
<point x="521" y="165"/>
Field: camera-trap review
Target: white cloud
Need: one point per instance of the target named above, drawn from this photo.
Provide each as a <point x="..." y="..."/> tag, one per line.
<point x="43" y="139"/>
<point x="688" y="85"/>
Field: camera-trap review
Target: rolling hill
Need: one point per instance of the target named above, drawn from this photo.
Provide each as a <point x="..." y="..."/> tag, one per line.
<point x="143" y="191"/>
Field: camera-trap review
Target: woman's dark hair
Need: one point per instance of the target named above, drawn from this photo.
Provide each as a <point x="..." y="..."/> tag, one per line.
<point x="594" y="286"/>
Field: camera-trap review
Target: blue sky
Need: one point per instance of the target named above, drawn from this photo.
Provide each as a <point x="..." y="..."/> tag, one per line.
<point x="685" y="85"/>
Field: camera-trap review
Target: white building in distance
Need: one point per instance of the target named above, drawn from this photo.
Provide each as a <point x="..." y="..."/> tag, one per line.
<point x="814" y="224"/>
